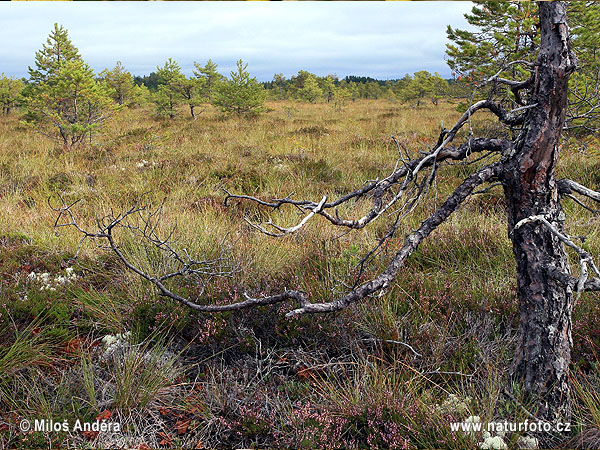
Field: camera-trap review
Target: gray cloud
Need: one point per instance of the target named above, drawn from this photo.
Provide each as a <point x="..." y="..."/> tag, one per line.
<point x="380" y="39"/>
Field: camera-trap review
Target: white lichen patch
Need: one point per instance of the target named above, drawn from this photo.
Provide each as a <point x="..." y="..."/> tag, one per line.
<point x="49" y="282"/>
<point x="526" y="442"/>
<point x="492" y="442"/>
<point x="488" y="441"/>
<point x="454" y="405"/>
<point x="115" y="342"/>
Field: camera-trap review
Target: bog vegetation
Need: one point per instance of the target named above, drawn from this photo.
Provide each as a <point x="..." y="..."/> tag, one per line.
<point x="87" y="338"/>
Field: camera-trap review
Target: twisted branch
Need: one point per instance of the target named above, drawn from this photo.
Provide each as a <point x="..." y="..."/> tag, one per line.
<point x="584" y="257"/>
<point x="411" y="243"/>
<point x="104" y="237"/>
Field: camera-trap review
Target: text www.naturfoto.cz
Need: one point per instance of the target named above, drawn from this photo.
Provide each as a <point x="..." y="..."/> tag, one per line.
<point x="524" y="427"/>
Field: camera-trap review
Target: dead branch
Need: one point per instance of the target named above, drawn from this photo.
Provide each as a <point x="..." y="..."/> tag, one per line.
<point x="584" y="257"/>
<point x="488" y="189"/>
<point x="145" y="227"/>
<point x="568" y="280"/>
<point x="284" y="231"/>
<point x="410" y="245"/>
<point x="592" y="285"/>
<point x="507" y="117"/>
<point x="583" y="110"/>
<point x="392" y="341"/>
<point x="566" y="186"/>
<point x="583" y="205"/>
<point x="405" y="176"/>
<point x="398" y="193"/>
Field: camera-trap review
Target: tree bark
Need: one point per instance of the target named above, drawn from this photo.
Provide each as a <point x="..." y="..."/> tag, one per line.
<point x="543" y="350"/>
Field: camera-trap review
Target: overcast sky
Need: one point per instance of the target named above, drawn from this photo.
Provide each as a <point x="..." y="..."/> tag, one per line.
<point x="384" y="40"/>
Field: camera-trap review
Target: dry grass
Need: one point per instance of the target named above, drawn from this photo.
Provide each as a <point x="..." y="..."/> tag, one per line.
<point x="243" y="377"/>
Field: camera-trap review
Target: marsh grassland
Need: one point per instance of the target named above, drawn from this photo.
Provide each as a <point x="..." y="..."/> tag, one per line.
<point x="80" y="339"/>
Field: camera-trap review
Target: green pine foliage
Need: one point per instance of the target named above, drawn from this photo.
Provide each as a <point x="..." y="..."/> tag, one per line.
<point x="507" y="32"/>
<point x="340" y="96"/>
<point x="63" y="100"/>
<point x="328" y="87"/>
<point x="584" y="95"/>
<point x="421" y="86"/>
<point x="210" y="79"/>
<point x="140" y="96"/>
<point x="70" y="106"/>
<point x="10" y="93"/>
<point x="279" y="83"/>
<point x="310" y="91"/>
<point x="191" y="91"/>
<point x="120" y="83"/>
<point x="169" y="94"/>
<point x="57" y="50"/>
<point x="241" y="94"/>
<point x="323" y="88"/>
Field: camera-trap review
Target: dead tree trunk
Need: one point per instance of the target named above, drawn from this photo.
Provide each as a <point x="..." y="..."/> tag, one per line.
<point x="543" y="348"/>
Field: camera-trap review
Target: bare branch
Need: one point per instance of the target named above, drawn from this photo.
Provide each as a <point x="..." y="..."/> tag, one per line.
<point x="515" y="86"/>
<point x="583" y="205"/>
<point x="444" y="372"/>
<point x="487" y="189"/>
<point x="568" y="280"/>
<point x="391" y="341"/>
<point x="566" y="186"/>
<point x="284" y="231"/>
<point x="404" y="175"/>
<point x="506" y="117"/>
<point x="584" y="257"/>
<point x="187" y="266"/>
<point x="592" y="285"/>
<point x="410" y="245"/>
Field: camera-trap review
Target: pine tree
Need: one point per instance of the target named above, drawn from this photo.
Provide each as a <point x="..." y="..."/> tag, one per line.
<point x="310" y="92"/>
<point x="71" y="105"/>
<point x="140" y="96"/>
<point x="120" y="82"/>
<point x="242" y="94"/>
<point x="296" y="83"/>
<point x="423" y="85"/>
<point x="327" y="85"/>
<point x="506" y="32"/>
<point x="170" y="89"/>
<point x="354" y="92"/>
<point x="191" y="90"/>
<point x="211" y="78"/>
<point x="279" y="81"/>
<point x="57" y="50"/>
<point x="507" y="39"/>
<point x="584" y="95"/>
<point x="62" y="99"/>
<point x="340" y="97"/>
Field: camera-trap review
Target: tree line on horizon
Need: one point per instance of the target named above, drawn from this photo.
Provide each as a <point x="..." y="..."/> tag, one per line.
<point x="168" y="87"/>
<point x="65" y="100"/>
<point x="307" y="86"/>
